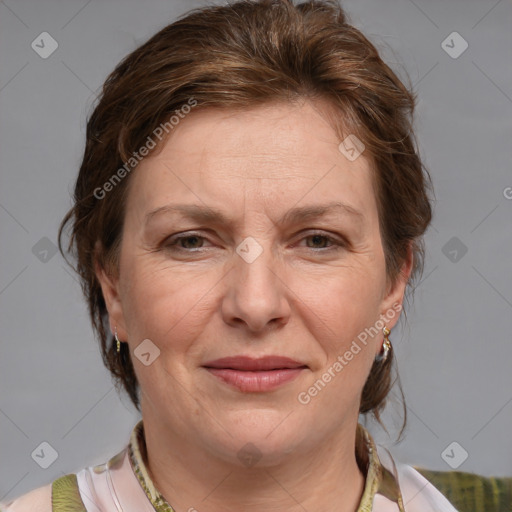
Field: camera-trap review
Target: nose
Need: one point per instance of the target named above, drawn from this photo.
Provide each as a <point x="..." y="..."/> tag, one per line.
<point x="256" y="297"/>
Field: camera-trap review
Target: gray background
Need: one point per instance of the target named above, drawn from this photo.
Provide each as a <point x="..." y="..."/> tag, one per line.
<point x="455" y="351"/>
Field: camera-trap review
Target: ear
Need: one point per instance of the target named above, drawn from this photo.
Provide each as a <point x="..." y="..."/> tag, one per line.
<point x="109" y="283"/>
<point x="393" y="300"/>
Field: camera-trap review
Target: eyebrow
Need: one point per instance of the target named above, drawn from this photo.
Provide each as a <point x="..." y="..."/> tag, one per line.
<point x="200" y="213"/>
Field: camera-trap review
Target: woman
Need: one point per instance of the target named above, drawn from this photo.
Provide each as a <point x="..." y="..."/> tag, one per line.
<point x="248" y="215"/>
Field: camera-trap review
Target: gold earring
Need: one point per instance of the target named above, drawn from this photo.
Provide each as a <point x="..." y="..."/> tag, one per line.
<point x="380" y="358"/>
<point x="117" y="340"/>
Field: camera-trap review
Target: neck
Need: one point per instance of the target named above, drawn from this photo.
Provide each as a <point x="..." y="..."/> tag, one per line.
<point x="326" y="479"/>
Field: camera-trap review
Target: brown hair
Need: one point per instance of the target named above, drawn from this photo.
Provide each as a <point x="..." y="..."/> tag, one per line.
<point x="234" y="57"/>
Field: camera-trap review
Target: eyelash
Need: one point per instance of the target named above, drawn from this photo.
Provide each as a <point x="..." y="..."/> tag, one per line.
<point x="172" y="243"/>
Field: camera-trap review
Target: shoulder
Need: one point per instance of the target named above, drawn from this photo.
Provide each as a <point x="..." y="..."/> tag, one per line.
<point x="39" y="499"/>
<point x="470" y="491"/>
<point x="425" y="490"/>
<point x="62" y="495"/>
<point x="417" y="494"/>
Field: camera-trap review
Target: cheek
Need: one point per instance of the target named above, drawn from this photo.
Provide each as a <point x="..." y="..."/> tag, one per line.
<point x="336" y="309"/>
<point x="344" y="301"/>
<point x="163" y="304"/>
<point x="168" y="308"/>
<point x="336" y="384"/>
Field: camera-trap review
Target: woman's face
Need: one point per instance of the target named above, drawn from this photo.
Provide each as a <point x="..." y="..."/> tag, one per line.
<point x="263" y="280"/>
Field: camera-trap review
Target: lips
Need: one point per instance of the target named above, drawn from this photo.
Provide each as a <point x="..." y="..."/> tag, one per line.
<point x="251" y="375"/>
<point x="245" y="363"/>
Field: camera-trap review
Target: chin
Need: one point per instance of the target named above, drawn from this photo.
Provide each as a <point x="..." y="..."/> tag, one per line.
<point x="258" y="439"/>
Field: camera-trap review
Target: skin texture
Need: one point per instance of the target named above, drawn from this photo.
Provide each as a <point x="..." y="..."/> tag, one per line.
<point x="303" y="297"/>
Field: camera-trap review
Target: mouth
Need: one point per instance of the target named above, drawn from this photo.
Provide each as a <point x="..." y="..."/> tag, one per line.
<point x="255" y="375"/>
<point x="245" y="363"/>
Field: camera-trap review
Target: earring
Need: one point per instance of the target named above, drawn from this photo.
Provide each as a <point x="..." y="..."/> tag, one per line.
<point x="380" y="358"/>
<point x="117" y="340"/>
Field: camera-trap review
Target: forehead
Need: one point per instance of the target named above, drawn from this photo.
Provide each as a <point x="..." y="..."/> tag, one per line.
<point x="267" y="158"/>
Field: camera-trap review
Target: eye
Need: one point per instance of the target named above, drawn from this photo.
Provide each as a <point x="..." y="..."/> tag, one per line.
<point x="190" y="242"/>
<point x="319" y="239"/>
<point x="193" y="242"/>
